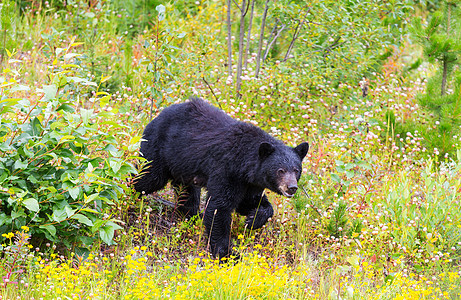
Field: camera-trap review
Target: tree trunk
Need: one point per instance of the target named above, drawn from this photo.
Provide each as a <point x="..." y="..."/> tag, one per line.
<point x="241" y="36"/>
<point x="229" y="39"/>
<point x="261" y="36"/>
<point x="247" y="48"/>
<point x="444" y="75"/>
<point x="445" y="57"/>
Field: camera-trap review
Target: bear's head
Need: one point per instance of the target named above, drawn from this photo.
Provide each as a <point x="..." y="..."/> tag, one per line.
<point x="281" y="167"/>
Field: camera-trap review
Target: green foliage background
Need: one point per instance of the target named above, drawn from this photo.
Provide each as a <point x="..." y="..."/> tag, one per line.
<point x="81" y="79"/>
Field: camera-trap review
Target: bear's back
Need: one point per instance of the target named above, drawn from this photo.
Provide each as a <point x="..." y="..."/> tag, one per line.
<point x="217" y="122"/>
<point x="198" y="121"/>
<point x="201" y="111"/>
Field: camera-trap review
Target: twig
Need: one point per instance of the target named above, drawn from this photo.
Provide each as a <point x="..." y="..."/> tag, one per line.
<point x="296" y="35"/>
<point x="236" y="4"/>
<point x="248" y="6"/>
<point x="216" y="98"/>
<point x="273" y="41"/>
<point x="313" y="207"/>
<point x="165" y="202"/>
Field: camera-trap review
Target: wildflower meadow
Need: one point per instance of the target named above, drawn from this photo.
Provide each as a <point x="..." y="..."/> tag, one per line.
<point x="373" y="86"/>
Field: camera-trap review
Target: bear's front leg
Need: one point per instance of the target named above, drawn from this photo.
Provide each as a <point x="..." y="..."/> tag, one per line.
<point x="260" y="215"/>
<point x="217" y="221"/>
<point x="217" y="218"/>
<point x="257" y="208"/>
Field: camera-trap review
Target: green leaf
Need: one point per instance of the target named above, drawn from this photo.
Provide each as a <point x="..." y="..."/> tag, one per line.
<point x="340" y="169"/>
<point x="65" y="107"/>
<point x="89" y="14"/>
<point x="36" y="127"/>
<point x="50" y="92"/>
<point x="83" y="252"/>
<point x="20" y="87"/>
<point x="59" y="215"/>
<point x="115" y="165"/>
<point x="353" y="260"/>
<point x="90" y="198"/>
<point x="349" y="166"/>
<point x="59" y="50"/>
<point x="82" y="219"/>
<point x="134" y="143"/>
<point x="3" y="176"/>
<point x="86" y="115"/>
<point x="97" y="223"/>
<point x="72" y="55"/>
<point x="160" y="8"/>
<point x="363" y="165"/>
<point x="74" y="192"/>
<point x="28" y="153"/>
<point x="69" y="211"/>
<point x="419" y="268"/>
<point x="91" y="211"/>
<point x="20" y="165"/>
<point x="5" y="219"/>
<point x="341" y="270"/>
<point x="31" y="204"/>
<point x="103" y="101"/>
<point x="86" y="240"/>
<point x="161" y="12"/>
<point x="82" y="81"/>
<point x="66" y="138"/>
<point x="349" y="174"/>
<point x="389" y="278"/>
<point x="17" y="213"/>
<point x="106" y="232"/>
<point x="335" y="177"/>
<point x="50" y="228"/>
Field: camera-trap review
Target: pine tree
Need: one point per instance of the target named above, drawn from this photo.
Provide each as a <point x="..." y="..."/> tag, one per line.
<point x="441" y="41"/>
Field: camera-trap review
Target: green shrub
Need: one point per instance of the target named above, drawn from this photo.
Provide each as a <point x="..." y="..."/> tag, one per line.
<point x="61" y="166"/>
<point x="425" y="216"/>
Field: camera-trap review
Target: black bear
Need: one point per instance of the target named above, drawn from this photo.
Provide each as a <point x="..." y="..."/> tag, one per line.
<point x="194" y="145"/>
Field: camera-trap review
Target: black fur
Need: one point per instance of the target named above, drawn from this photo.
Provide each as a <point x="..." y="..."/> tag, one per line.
<point x="194" y="144"/>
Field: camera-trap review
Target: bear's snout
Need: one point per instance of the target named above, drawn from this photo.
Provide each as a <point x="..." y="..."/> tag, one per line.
<point x="292" y="189"/>
<point x="288" y="184"/>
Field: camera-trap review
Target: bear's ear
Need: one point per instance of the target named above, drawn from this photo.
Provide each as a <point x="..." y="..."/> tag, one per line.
<point x="302" y="149"/>
<point x="265" y="149"/>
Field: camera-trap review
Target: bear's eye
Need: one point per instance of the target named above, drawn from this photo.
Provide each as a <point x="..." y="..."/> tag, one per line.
<point x="281" y="171"/>
<point x="296" y="170"/>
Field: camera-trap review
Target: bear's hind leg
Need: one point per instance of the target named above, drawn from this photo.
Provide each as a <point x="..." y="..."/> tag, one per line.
<point x="152" y="178"/>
